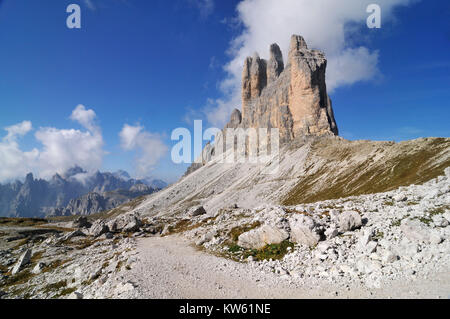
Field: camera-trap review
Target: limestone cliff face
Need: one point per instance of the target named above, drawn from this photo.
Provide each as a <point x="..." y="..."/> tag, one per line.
<point x="292" y="98"/>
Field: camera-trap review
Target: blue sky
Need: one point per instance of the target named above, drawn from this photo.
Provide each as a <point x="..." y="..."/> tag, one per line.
<point x="156" y="65"/>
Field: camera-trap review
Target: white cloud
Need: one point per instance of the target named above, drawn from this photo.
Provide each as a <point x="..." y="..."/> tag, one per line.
<point x="325" y="24"/>
<point x="13" y="161"/>
<point x="20" y="129"/>
<point x="84" y="117"/>
<point x="149" y="146"/>
<point x="61" y="148"/>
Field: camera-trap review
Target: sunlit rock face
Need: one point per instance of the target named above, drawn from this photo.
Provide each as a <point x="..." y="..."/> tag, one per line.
<point x="292" y="98"/>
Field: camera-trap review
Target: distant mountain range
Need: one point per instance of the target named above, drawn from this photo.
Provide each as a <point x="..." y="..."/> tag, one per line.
<point x="76" y="192"/>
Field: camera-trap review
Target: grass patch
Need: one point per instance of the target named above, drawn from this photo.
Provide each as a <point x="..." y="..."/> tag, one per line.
<point x="439" y="211"/>
<point x="273" y="251"/>
<point x="403" y="164"/>
<point x="378" y="236"/>
<point x="398" y="222"/>
<point x="55" y="265"/>
<point x="21" y="222"/>
<point x="239" y="230"/>
<point x="67" y="291"/>
<point x="20" y="278"/>
<point x="55" y="287"/>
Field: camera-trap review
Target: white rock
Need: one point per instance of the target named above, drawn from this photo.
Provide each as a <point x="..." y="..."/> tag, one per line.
<point x="414" y="230"/>
<point x="304" y="230"/>
<point x="371" y="247"/>
<point x="38" y="268"/>
<point x="262" y="236"/>
<point x="388" y="257"/>
<point x="23" y="260"/>
<point x="331" y="232"/>
<point x="349" y="221"/>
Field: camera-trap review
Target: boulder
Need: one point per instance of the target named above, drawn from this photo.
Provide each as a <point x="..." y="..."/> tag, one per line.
<point x="76" y="233"/>
<point x="416" y="231"/>
<point x="125" y="223"/>
<point x="196" y="211"/>
<point x="331" y="232"/>
<point x="304" y="230"/>
<point x="81" y="222"/>
<point x="262" y="236"/>
<point x="349" y="221"/>
<point x="98" y="228"/>
<point x="23" y="260"/>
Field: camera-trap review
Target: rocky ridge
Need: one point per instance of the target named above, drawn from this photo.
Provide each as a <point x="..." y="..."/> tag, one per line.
<point x="293" y="99"/>
<point x="63" y="193"/>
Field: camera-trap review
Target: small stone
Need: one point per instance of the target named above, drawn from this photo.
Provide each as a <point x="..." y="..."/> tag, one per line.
<point x="38" y="268"/>
<point x="389" y="257"/>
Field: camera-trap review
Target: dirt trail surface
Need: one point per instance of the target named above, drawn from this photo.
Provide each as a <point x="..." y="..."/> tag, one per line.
<point x="170" y="267"/>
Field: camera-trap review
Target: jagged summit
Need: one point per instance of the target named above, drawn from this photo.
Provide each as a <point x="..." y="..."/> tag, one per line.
<point x="292" y="98"/>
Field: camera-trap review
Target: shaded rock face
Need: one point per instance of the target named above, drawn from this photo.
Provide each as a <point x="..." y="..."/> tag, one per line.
<point x="292" y="98"/>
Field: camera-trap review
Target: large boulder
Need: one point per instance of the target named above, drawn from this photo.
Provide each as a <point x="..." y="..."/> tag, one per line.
<point x="23" y="260"/>
<point x="304" y="230"/>
<point x="196" y="211"/>
<point x="262" y="236"/>
<point x="125" y="223"/>
<point x="349" y="221"/>
<point x="416" y="231"/>
<point x="98" y="228"/>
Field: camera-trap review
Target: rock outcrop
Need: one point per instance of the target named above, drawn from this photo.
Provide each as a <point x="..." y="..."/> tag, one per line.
<point x="293" y="99"/>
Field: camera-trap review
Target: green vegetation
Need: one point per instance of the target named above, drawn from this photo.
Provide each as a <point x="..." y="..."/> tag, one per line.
<point x="55" y="265"/>
<point x="20" y="278"/>
<point x="439" y="210"/>
<point x="239" y="230"/>
<point x="56" y="287"/>
<point x="21" y="222"/>
<point x="412" y="164"/>
<point x="398" y="222"/>
<point x="379" y="235"/>
<point x="273" y="251"/>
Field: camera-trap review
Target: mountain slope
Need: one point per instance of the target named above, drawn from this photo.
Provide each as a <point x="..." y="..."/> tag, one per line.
<point x="311" y="169"/>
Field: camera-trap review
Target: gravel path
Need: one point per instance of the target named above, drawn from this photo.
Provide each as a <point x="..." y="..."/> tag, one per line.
<point x="170" y="267"/>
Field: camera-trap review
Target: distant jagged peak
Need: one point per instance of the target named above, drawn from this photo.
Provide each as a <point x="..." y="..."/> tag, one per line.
<point x="73" y="171"/>
<point x="122" y="174"/>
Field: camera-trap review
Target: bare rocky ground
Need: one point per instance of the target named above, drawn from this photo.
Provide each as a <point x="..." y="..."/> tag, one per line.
<point x="386" y="245"/>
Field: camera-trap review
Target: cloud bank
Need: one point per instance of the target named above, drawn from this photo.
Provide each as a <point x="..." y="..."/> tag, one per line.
<point x="325" y="24"/>
<point x="61" y="148"/>
<point x="149" y="146"/>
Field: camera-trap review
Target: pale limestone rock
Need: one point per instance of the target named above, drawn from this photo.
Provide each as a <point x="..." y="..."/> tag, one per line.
<point x="349" y="221"/>
<point x="293" y="99"/>
<point x="262" y="236"/>
<point x="304" y="230"/>
<point x="23" y="260"/>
